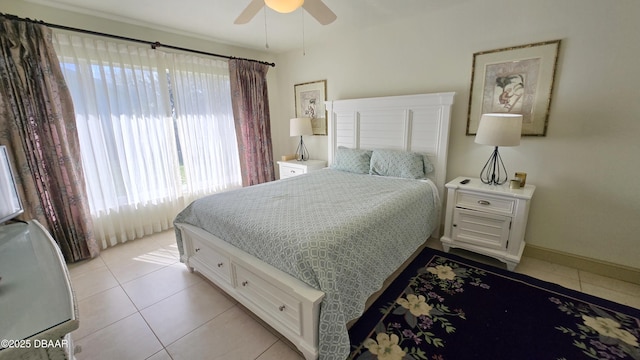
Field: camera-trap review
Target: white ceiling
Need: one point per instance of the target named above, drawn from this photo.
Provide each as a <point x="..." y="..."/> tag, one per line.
<point x="213" y="19"/>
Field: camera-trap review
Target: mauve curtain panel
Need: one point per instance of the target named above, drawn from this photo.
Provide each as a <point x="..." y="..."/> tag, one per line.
<point x="253" y="126"/>
<point x="37" y="124"/>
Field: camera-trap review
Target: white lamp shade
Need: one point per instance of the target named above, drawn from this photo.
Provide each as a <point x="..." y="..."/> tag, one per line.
<point x="300" y="126"/>
<point x="284" y="6"/>
<point x="499" y="130"/>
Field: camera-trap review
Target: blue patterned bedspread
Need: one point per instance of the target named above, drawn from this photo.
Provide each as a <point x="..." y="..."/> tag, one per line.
<point x="339" y="232"/>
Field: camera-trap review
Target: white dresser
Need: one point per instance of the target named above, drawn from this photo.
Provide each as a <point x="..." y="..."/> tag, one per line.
<point x="487" y="219"/>
<point x="38" y="310"/>
<point x="294" y="167"/>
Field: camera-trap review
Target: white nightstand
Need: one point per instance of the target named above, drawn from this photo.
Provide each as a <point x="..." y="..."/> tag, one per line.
<point x="487" y="219"/>
<point x="294" y="167"/>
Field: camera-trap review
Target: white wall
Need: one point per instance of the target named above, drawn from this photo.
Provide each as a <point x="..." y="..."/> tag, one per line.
<point x="587" y="167"/>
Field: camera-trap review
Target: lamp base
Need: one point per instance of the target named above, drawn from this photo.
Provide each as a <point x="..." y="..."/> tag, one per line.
<point x="302" y="154"/>
<point x="493" y="171"/>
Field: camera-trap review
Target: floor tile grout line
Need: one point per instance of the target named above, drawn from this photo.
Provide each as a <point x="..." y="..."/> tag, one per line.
<point x="119" y="284"/>
<point x="164" y="347"/>
<point x="196" y="328"/>
<point x="268" y="348"/>
<point x="143" y="275"/>
<point x="145" y="319"/>
<point x="111" y="323"/>
<point x="613" y="288"/>
<point x="159" y="300"/>
<point x="138" y="310"/>
<point x="94" y="294"/>
<point x="580" y="280"/>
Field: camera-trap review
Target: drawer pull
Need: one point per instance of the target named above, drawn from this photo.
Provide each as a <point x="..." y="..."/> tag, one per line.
<point x="484" y="202"/>
<point x="245" y="283"/>
<point x="197" y="249"/>
<point x="281" y="308"/>
<point x="220" y="265"/>
<point x="293" y="171"/>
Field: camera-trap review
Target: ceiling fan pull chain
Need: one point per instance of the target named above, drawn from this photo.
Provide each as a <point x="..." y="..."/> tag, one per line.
<point x="266" y="38"/>
<point x="304" y="53"/>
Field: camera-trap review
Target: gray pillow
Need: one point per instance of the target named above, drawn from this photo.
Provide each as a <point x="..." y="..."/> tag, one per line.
<point x="352" y="160"/>
<point x="428" y="167"/>
<point x="399" y="163"/>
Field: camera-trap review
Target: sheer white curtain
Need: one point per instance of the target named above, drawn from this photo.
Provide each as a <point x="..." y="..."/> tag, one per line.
<point x="204" y="120"/>
<point x="126" y="122"/>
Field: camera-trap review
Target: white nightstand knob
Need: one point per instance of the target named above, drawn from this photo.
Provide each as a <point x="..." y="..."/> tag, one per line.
<point x="220" y="265"/>
<point x="281" y="308"/>
<point x="484" y="202"/>
<point x="245" y="283"/>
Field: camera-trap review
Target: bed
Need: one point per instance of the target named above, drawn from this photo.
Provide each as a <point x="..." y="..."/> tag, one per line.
<point x="304" y="253"/>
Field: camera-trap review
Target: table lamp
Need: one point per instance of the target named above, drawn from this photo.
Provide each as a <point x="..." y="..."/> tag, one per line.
<point x="497" y="130"/>
<point x="300" y="127"/>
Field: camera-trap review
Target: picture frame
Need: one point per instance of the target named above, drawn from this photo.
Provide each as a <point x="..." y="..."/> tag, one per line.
<point x="309" y="100"/>
<point x="516" y="80"/>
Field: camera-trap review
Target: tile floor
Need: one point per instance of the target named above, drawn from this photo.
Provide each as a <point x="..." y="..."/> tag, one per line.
<point x="137" y="301"/>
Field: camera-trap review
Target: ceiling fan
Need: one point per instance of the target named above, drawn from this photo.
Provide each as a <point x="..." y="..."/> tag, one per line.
<point x="315" y="8"/>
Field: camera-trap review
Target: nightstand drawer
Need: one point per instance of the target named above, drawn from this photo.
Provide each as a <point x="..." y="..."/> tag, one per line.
<point x="480" y="228"/>
<point x="289" y="171"/>
<point x="294" y="168"/>
<point x="483" y="202"/>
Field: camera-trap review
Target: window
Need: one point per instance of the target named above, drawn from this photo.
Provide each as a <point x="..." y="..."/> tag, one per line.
<point x="156" y="131"/>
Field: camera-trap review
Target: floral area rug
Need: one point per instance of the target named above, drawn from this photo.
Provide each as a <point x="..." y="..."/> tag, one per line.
<point x="446" y="307"/>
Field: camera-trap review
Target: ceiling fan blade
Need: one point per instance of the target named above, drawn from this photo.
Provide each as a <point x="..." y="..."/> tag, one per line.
<point x="249" y="12"/>
<point x="319" y="11"/>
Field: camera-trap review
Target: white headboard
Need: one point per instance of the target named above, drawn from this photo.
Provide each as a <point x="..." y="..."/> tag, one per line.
<point x="417" y="123"/>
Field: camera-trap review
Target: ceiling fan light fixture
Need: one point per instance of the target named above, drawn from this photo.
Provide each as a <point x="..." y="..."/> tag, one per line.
<point x="284" y="6"/>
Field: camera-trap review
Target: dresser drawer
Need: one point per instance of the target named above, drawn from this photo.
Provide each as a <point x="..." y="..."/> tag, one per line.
<point x="482" y="202"/>
<point x="270" y="299"/>
<point x="289" y="171"/>
<point x="215" y="262"/>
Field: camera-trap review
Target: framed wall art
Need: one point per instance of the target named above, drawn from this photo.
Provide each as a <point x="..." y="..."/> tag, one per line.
<point x="310" y="98"/>
<point x="516" y="80"/>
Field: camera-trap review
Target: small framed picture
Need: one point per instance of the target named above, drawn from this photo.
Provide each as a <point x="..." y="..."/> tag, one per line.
<point x="516" y="80"/>
<point x="310" y="98"/>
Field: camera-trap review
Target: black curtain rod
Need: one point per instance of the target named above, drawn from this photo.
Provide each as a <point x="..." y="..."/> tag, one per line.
<point x="154" y="45"/>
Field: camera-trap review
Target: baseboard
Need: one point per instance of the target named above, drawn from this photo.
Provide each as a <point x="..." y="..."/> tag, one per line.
<point x="620" y="272"/>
